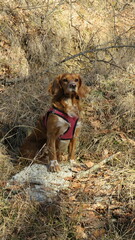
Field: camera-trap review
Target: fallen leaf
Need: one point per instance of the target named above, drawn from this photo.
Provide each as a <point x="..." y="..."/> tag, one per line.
<point x="76" y="169"/>
<point x="89" y="164"/>
<point x="3" y="183"/>
<point x="105" y="153"/>
<point x="96" y="124"/>
<point x="126" y="139"/>
<point x="68" y="178"/>
<point x="2" y="90"/>
<point x="98" y="232"/>
<point x="75" y="185"/>
<point x="84" y="179"/>
<point x="86" y="156"/>
<point x="13" y="187"/>
<point x="86" y="206"/>
<point x="89" y="109"/>
<point x="80" y="233"/>
<point x="72" y="198"/>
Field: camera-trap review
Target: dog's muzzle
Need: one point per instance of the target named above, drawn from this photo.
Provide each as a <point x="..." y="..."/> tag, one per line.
<point x="72" y="86"/>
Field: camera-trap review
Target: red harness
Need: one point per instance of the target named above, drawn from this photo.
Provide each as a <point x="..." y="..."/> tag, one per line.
<point x="69" y="133"/>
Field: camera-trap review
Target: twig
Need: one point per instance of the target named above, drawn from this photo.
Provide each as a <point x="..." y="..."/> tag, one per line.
<point x="96" y="166"/>
<point x="38" y="153"/>
<point x="93" y="50"/>
<point x="31" y="7"/>
<point x="126" y="139"/>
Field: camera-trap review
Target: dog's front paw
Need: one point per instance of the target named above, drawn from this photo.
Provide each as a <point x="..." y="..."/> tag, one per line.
<point x="54" y="166"/>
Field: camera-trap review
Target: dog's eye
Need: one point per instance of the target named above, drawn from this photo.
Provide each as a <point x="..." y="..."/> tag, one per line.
<point x="65" y="80"/>
<point x="76" y="80"/>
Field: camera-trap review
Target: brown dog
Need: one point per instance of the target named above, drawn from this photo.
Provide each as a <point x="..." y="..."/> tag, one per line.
<point x="61" y="125"/>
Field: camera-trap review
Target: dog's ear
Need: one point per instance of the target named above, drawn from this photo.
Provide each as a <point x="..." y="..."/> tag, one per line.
<point x="83" y="90"/>
<point x="55" y="86"/>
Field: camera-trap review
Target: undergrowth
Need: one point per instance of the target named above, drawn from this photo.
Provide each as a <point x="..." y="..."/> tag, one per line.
<point x="35" y="37"/>
<point x="103" y="134"/>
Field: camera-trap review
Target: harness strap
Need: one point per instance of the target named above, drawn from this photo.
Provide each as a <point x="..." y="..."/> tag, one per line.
<point x="69" y="133"/>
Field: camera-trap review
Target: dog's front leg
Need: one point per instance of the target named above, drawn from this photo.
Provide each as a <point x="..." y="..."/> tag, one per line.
<point x="52" y="136"/>
<point x="72" y="145"/>
<point x="51" y="145"/>
<point x="72" y="150"/>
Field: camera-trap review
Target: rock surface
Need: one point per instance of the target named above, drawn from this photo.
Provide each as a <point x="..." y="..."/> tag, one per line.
<point x="40" y="184"/>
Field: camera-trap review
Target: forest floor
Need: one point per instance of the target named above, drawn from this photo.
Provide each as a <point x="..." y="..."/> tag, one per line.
<point x="39" y="40"/>
<point x="92" y="200"/>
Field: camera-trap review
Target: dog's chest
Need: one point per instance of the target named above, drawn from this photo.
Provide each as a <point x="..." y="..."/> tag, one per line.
<point x="62" y="124"/>
<point x="72" y="109"/>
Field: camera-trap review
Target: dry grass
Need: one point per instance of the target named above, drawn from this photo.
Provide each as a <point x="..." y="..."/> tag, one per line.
<point x="34" y="37"/>
<point x="110" y="117"/>
<point x="37" y="35"/>
<point x="103" y="130"/>
<point x="6" y="167"/>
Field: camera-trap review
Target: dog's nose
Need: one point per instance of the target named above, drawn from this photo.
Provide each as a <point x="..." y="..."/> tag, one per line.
<point x="72" y="85"/>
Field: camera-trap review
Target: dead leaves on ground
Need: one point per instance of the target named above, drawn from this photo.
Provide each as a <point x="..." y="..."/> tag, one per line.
<point x="91" y="203"/>
<point x="80" y="234"/>
<point x="89" y="164"/>
<point x="95" y="201"/>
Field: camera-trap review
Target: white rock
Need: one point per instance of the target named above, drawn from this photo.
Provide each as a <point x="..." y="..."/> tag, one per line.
<point x="41" y="185"/>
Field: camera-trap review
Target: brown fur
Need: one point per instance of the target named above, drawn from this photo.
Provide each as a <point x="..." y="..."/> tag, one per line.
<point x="67" y="91"/>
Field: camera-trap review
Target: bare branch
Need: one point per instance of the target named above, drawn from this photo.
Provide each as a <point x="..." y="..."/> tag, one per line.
<point x="96" y="166"/>
<point x="109" y="62"/>
<point x="92" y="51"/>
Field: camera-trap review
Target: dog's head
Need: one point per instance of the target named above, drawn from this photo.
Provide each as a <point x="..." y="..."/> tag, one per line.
<point x="68" y="85"/>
